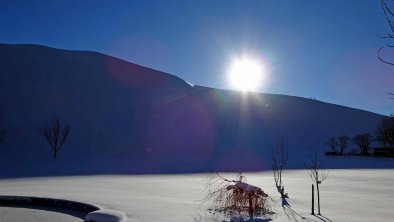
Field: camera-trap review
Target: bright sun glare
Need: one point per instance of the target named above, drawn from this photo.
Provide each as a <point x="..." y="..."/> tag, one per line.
<point x="246" y="74"/>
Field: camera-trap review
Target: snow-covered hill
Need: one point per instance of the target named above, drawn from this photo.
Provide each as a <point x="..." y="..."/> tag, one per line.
<point x="126" y="118"/>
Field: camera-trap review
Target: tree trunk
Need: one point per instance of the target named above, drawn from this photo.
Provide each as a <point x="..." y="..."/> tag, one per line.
<point x="54" y="154"/>
<point x="282" y="192"/>
<point x="318" y="198"/>
<point x="280" y="177"/>
<point x="250" y="207"/>
<point x="313" y="200"/>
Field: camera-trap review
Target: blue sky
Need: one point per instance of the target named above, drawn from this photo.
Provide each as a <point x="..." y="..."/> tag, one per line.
<point x="321" y="49"/>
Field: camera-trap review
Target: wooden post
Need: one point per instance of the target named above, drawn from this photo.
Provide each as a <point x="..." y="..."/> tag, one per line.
<point x="318" y="197"/>
<point x="313" y="200"/>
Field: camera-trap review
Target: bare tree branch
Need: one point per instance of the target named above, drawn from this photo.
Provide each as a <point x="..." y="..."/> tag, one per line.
<point x="343" y="143"/>
<point x="381" y="59"/>
<point x="333" y="144"/>
<point x="387" y="36"/>
<point x="55" y="135"/>
<point x="389" y="16"/>
<point x="363" y="141"/>
<point x="279" y="161"/>
<point x="317" y="175"/>
<point x="387" y="12"/>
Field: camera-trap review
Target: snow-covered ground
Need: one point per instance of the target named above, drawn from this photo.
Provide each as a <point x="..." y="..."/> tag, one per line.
<point x="347" y="195"/>
<point x="42" y="214"/>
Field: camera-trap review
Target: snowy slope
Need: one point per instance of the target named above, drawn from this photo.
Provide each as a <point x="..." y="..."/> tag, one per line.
<point x="126" y="118"/>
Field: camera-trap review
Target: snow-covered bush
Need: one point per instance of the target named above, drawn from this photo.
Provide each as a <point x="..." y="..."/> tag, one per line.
<point x="236" y="197"/>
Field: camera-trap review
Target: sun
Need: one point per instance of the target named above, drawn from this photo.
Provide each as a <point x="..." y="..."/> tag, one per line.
<point x="246" y="74"/>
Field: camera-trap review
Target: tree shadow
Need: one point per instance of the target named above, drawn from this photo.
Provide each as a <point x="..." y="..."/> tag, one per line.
<point x="323" y="218"/>
<point x="292" y="215"/>
<point x="285" y="203"/>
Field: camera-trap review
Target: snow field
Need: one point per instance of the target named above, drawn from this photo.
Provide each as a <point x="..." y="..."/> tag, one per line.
<point x="347" y="195"/>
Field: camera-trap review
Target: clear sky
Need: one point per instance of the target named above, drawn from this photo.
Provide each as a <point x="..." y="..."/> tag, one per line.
<point x="320" y="49"/>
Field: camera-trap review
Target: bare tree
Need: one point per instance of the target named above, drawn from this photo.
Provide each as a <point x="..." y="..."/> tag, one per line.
<point x="332" y="143"/>
<point x="3" y="131"/>
<point x="317" y="175"/>
<point x="388" y="10"/>
<point x="385" y="132"/>
<point x="236" y="197"/>
<point x="279" y="157"/>
<point x="363" y="141"/>
<point x="55" y="134"/>
<point x="343" y="143"/>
